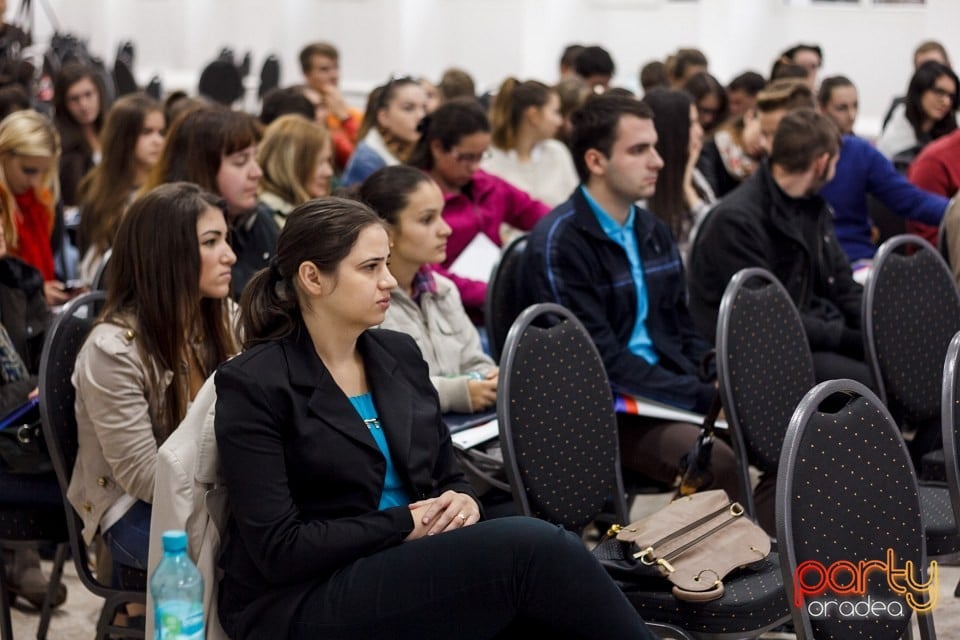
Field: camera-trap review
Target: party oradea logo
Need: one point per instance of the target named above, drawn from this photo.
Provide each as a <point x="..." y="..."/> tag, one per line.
<point x="840" y="590"/>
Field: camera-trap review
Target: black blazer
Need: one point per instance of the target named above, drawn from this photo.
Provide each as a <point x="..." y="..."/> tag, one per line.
<point x="304" y="475"/>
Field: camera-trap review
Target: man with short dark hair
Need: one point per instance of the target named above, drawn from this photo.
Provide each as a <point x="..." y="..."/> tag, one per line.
<point x="778" y="221"/>
<point x="595" y="66"/>
<point x="617" y="268"/>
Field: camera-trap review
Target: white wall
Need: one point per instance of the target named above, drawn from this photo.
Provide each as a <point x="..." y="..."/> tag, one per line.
<point x="494" y="38"/>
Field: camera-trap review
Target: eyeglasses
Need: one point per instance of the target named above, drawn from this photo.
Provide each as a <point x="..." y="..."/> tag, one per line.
<point x="471" y="158"/>
<point x="941" y="93"/>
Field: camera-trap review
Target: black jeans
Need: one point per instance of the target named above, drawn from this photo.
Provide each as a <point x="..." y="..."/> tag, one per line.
<point x="496" y="579"/>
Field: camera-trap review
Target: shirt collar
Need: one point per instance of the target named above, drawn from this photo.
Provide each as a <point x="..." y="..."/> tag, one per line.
<point x="610" y="226"/>
<point x="423" y="282"/>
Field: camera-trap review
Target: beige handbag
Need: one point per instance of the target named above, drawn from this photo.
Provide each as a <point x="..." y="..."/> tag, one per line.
<point x="694" y="542"/>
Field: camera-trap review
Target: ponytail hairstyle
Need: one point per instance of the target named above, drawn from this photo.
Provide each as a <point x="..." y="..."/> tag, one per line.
<point x="321" y="231"/>
<point x="387" y="191"/>
<point x="451" y="122"/>
<point x="512" y="101"/>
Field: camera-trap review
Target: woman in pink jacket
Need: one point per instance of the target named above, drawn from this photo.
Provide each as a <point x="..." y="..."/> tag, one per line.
<point x="454" y="140"/>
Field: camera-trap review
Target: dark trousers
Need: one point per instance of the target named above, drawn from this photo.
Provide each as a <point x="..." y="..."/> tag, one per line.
<point x="836" y="366"/>
<point x="504" y="578"/>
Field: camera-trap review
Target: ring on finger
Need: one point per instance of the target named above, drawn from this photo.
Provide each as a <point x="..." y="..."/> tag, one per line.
<point x="462" y="516"/>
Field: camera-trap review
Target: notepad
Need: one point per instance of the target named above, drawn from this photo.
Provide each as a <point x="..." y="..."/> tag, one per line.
<point x="652" y="409"/>
<point x="469" y="438"/>
<point x="477" y="260"/>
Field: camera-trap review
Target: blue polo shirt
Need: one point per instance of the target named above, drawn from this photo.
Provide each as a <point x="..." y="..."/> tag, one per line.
<point x="625" y="236"/>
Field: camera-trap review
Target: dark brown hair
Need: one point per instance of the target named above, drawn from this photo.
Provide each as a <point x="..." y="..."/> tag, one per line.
<point x="321" y="231"/>
<point x="70" y="74"/>
<point x="512" y="101"/>
<point x="451" y="122"/>
<point x="324" y="49"/>
<point x="154" y="282"/>
<point x="802" y="136"/>
<point x="387" y="190"/>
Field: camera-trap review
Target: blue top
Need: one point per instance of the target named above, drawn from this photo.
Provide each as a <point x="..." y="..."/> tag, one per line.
<point x="394" y="495"/>
<point x="863" y="170"/>
<point x="364" y="162"/>
<point x="640" y="343"/>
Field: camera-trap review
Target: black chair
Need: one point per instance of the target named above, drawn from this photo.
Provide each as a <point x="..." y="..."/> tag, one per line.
<point x="504" y="302"/>
<point x="558" y="434"/>
<point x="220" y="81"/>
<point x="123" y="77"/>
<point x="155" y="88"/>
<point x="847" y="492"/>
<point x="100" y="275"/>
<point x="269" y="75"/>
<point x="911" y="309"/>
<point x="764" y="366"/>
<point x="63" y="342"/>
<point x="950" y="421"/>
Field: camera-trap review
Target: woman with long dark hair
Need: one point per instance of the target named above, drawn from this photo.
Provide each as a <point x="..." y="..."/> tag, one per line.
<point x="165" y="327"/>
<point x="929" y="112"/>
<point x="358" y="521"/>
<point x="79" y="107"/>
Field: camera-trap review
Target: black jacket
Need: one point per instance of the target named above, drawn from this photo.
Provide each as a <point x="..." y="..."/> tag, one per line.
<point x="253" y="237"/>
<point x="305" y="475"/>
<point x="26" y="317"/>
<point x="758" y="225"/>
<point x="571" y="261"/>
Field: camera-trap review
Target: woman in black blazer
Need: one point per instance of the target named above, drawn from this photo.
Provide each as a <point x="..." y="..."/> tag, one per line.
<point x="349" y="515"/>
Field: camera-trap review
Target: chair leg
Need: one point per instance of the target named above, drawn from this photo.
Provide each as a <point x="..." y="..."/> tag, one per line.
<point x="55" y="577"/>
<point x="6" y="629"/>
<point x="956" y="590"/>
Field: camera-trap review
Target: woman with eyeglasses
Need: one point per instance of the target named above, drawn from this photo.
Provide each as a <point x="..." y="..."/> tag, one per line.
<point x="454" y="140"/>
<point x="389" y="129"/>
<point x="525" y="117"/>
<point x="928" y="113"/>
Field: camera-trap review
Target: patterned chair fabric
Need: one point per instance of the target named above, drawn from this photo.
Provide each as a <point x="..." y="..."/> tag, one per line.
<point x="764" y="366"/>
<point x="504" y="298"/>
<point x="559" y="437"/>
<point x="558" y="429"/>
<point x="950" y="424"/>
<point x="911" y="311"/>
<point x="847" y="492"/>
<point x="63" y="342"/>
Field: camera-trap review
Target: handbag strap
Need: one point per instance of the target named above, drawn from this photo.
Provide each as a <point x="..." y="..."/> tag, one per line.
<point x="665" y="560"/>
<point x="735" y="509"/>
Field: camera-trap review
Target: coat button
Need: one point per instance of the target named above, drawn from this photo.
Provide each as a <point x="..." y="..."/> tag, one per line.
<point x="102" y="481"/>
<point x="129" y="335"/>
<point x="87" y="507"/>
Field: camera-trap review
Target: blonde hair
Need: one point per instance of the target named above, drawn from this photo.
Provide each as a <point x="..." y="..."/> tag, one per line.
<point x="288" y="156"/>
<point x="27" y="133"/>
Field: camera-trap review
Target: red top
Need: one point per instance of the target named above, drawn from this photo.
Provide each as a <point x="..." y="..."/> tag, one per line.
<point x="34" y="220"/>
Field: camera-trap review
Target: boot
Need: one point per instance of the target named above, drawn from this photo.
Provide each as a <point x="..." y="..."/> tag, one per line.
<point x="25" y="579"/>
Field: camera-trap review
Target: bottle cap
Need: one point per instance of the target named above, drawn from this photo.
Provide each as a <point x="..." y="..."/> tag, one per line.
<point x="174" y="541"/>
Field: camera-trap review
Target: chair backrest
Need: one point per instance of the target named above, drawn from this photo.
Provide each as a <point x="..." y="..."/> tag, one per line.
<point x="57" y="396"/>
<point x="220" y="81"/>
<point x="950" y="421"/>
<point x="504" y="300"/>
<point x="911" y="309"/>
<point x="100" y="276"/>
<point x="847" y="493"/>
<point x="558" y="430"/>
<point x="269" y="75"/>
<point x="764" y="366"/>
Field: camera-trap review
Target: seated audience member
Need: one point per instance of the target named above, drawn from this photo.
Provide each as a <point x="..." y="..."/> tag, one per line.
<point x="686" y="64"/>
<point x="295" y="158"/>
<point x="177" y="104"/>
<point x="454" y="141"/>
<point x="280" y="102"/>
<point x="216" y="149"/>
<point x="595" y="67"/>
<point x="710" y="98"/>
<point x="132" y="140"/>
<point x="777" y="221"/>
<point x="928" y="112"/>
<point x="425" y="305"/>
<point x="568" y="60"/>
<point x="352" y="461"/>
<point x="13" y="97"/>
<point x="742" y="93"/>
<point x="653" y="75"/>
<point x="79" y="109"/>
<point x="320" y="63"/>
<point x="29" y="154"/>
<point x="572" y="91"/>
<point x="525" y="118"/>
<point x="25" y="319"/>
<point x="808" y="56"/>
<point x="432" y="93"/>
<point x="739" y="145"/>
<point x="165" y="328"/>
<point x="456" y="84"/>
<point x="790" y="71"/>
<point x="862" y="171"/>
<point x="925" y="52"/>
<point x="937" y="170"/>
<point x="617" y="268"/>
<point x="683" y="196"/>
<point x="389" y="130"/>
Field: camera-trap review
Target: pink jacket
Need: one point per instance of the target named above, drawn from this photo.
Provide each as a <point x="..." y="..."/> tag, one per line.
<point x="481" y="207"/>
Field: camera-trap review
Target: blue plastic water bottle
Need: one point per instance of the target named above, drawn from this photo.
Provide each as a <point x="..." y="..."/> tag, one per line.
<point x="177" y="590"/>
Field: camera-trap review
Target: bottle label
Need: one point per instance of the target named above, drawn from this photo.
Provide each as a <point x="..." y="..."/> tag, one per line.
<point x="179" y="620"/>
